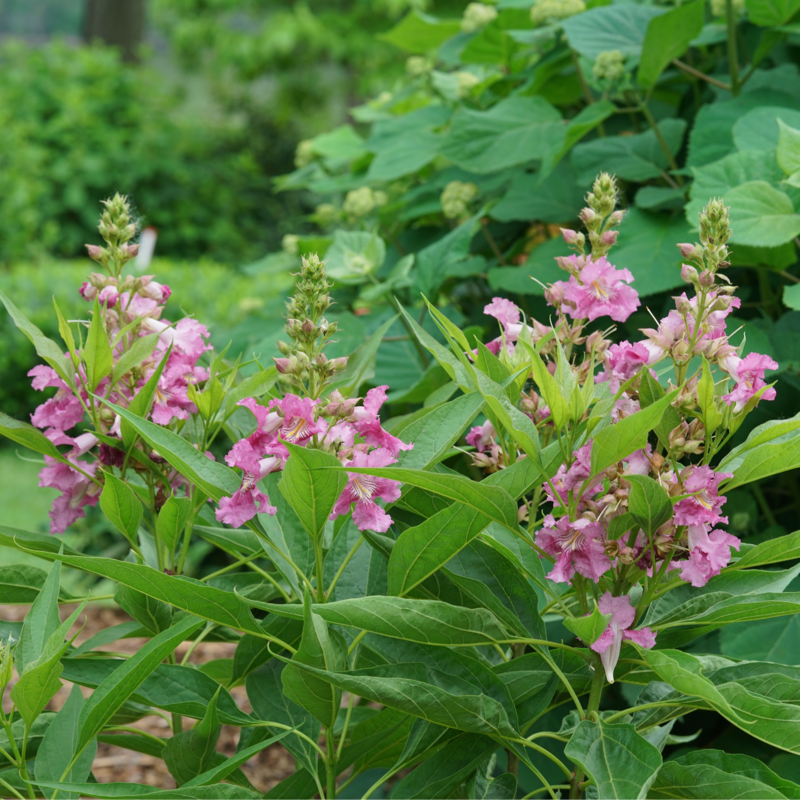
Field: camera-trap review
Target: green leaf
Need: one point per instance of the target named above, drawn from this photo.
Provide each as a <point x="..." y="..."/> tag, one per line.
<point x="788" y="148"/>
<point x="550" y="390"/>
<point x="252" y="386"/>
<point x="140" y="350"/>
<point x="190" y="753"/>
<point x="712" y="417"/>
<point x="420" y="551"/>
<point x="491" y="501"/>
<point x="441" y="775"/>
<point x="615" y="442"/>
<point x="324" y="650"/>
<point x="620" y="762"/>
<point x="773" y="551"/>
<point x="589" y="628"/>
<point x="20" y="584"/>
<point x="436" y="431"/>
<point x="354" y="255"/>
<point x="761" y="215"/>
<point x="142" y="402"/>
<point x="97" y="354"/>
<point x="361" y="363"/>
<point x="214" y="479"/>
<point x="152" y="614"/>
<point x="423" y="692"/>
<point x="648" y="503"/>
<point x="768" y="13"/>
<point x="41" y="542"/>
<point x="45" y="348"/>
<point x="707" y="774"/>
<point x="609" y="28"/>
<point x="172" y="519"/>
<point x="668" y="37"/>
<point x="514" y="131"/>
<point x="270" y="703"/>
<point x="424" y="621"/>
<point x="121" y="505"/>
<point x="124" y="681"/>
<point x="311" y="489"/>
<point x="41" y="622"/>
<point x="421" y="33"/>
<point x="58" y="745"/>
<point x="28" y="436"/>
<point x="771" y="640"/>
<point x="777" y="454"/>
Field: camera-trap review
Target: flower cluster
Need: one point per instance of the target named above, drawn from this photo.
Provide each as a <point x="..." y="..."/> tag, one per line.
<point x="130" y="309"/>
<point x="587" y="531"/>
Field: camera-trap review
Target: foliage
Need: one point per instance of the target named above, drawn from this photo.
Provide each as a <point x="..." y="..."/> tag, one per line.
<point x="478" y="577"/>
<point x="77" y="123"/>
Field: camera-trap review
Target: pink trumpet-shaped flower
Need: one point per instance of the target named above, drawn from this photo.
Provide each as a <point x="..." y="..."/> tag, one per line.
<point x="705" y="504"/>
<point x="576" y="547"/>
<point x="748" y="372"/>
<point x="364" y="490"/>
<point x="77" y="490"/>
<point x="248" y="500"/>
<point x="601" y="291"/>
<point x="708" y="554"/>
<point x="368" y="424"/>
<point x="610" y="643"/>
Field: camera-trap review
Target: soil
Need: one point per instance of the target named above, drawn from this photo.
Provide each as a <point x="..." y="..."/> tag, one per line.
<point x="115" y="764"/>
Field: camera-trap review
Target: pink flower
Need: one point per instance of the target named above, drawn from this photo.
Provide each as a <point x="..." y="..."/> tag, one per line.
<point x="77" y="491"/>
<point x="708" y="554"/>
<point x="171" y="398"/>
<point x="61" y="412"/>
<point x="638" y="462"/>
<point x="364" y="490"/>
<point x="368" y="424"/>
<point x="187" y="336"/>
<point x="481" y="436"/>
<point x="704" y="507"/>
<point x="610" y="643"/>
<point x="572" y="477"/>
<point x="504" y="311"/>
<point x="576" y="547"/>
<point x="748" y="372"/>
<point x="248" y="500"/>
<point x="601" y="291"/>
<point x="623" y="361"/>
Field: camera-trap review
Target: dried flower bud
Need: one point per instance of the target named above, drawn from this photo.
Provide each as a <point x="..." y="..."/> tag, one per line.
<point x="627" y="555"/>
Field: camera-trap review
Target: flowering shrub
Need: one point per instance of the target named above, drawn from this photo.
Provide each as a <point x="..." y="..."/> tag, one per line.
<point x="447" y="601"/>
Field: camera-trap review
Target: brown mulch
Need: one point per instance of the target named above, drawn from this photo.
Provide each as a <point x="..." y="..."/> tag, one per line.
<point x="115" y="764"/>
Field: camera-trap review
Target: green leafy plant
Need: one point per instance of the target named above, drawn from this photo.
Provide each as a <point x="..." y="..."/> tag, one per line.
<point x="446" y="601"/>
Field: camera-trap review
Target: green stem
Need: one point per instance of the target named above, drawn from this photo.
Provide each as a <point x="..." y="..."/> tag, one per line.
<point x="23" y="767"/>
<point x="11" y="789"/>
<point x="651" y="121"/>
<point x="330" y="764"/>
<point x="595" y="693"/>
<point x="319" y="560"/>
<point x="733" y="56"/>
<point x="547" y="754"/>
<point x="643" y="707"/>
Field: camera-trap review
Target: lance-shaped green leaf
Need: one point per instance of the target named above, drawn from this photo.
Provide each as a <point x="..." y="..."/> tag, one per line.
<point x="310" y="488"/>
<point x="147" y="611"/>
<point x="45" y="348"/>
<point x="142" y="402"/>
<point x="215" y="479"/>
<point x="215" y="605"/>
<point x="615" y="442"/>
<point x="190" y="753"/>
<point x="170" y="687"/>
<point x="773" y="551"/>
<point x="491" y="501"/>
<point x="708" y="774"/>
<point x="424" y="621"/>
<point x="121" y="505"/>
<point x="779" y="455"/>
<point x="620" y="762"/>
<point x="426" y="693"/>
<point x="41" y="622"/>
<point x="525" y="475"/>
<point x="589" y="628"/>
<point x="97" y="354"/>
<point x="58" y="745"/>
<point x="683" y="672"/>
<point x="39" y="680"/>
<point x="141" y="349"/>
<point x="270" y="703"/>
<point x="252" y="386"/>
<point x="20" y="584"/>
<point x="549" y="388"/>
<point x="745" y="608"/>
<point x="325" y="650"/>
<point x="441" y="775"/>
<point x="171" y="520"/>
<point x="141" y="791"/>
<point x="28" y="436"/>
<point x="252" y="652"/>
<point x="705" y="397"/>
<point x="124" y="681"/>
<point x="649" y="505"/>
<point x="66" y="333"/>
<point x="419" y="551"/>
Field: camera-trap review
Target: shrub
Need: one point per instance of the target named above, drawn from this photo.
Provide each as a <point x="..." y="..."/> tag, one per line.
<point x="476" y="578"/>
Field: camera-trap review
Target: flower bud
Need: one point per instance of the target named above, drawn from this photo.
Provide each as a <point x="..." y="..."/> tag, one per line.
<point x="87" y="291"/>
<point x="588" y="216"/>
<point x="688" y="273"/>
<point x="690" y="251"/>
<point x="284" y="366"/>
<point x="96" y="253"/>
<point x="609" y="238"/>
<point x="706" y="279"/>
<point x="616" y="217"/>
<point x="612" y="548"/>
<point x="554" y="294"/>
<point x="573" y="238"/>
<point x="338" y="364"/>
<point x="627" y="555"/>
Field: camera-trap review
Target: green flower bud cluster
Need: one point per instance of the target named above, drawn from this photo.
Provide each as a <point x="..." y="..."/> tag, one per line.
<point x="117" y="229"/>
<point x="326" y="214"/>
<point x="456" y="198"/>
<point x="715" y="231"/>
<point x="466" y="83"/>
<point x="546" y="12"/>
<point x="303" y="364"/>
<point x="477" y="16"/>
<point x="360" y="202"/>
<point x="609" y="66"/>
<point x="719" y="8"/>
<point x="291" y="244"/>
<point x="418" y="65"/>
<point x="304" y="154"/>
<point x="599" y="217"/>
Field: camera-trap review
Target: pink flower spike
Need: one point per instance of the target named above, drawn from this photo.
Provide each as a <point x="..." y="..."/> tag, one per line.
<point x="364" y="490"/>
<point x="602" y="291"/>
<point x="610" y="643"/>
